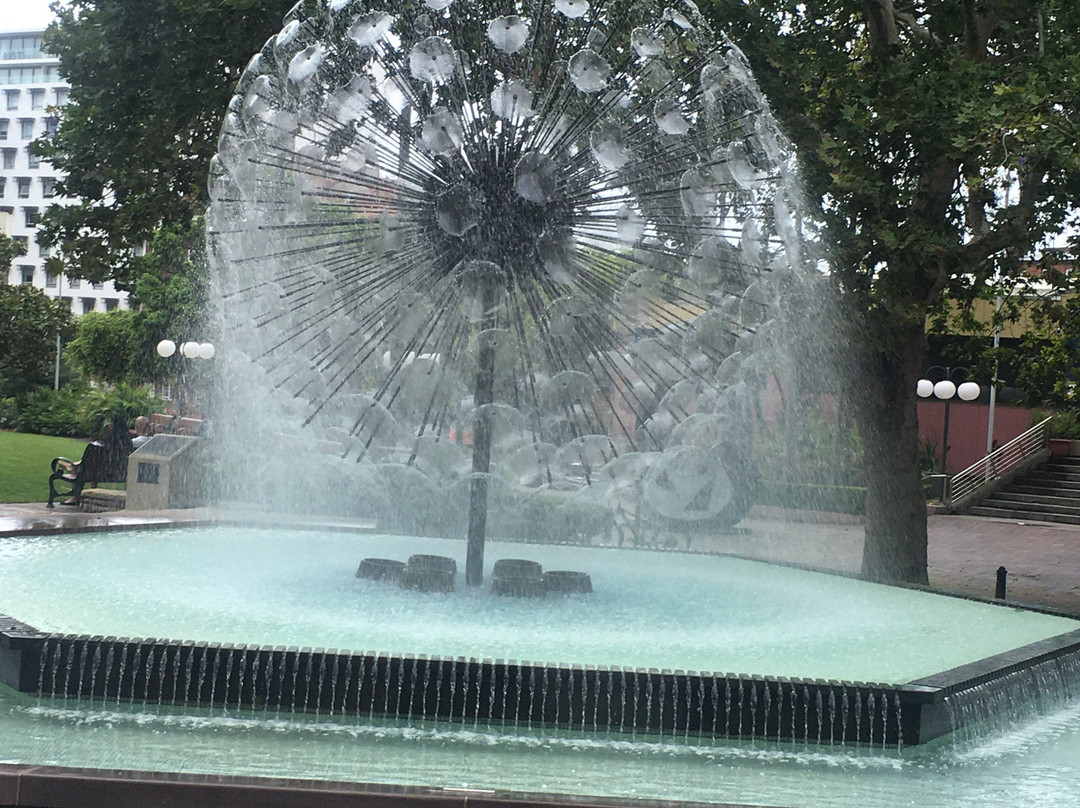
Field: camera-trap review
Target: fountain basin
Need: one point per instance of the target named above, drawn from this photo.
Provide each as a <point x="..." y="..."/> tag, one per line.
<point x="676" y="643"/>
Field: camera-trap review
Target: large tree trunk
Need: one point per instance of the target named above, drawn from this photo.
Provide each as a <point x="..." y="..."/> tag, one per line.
<point x="895" y="546"/>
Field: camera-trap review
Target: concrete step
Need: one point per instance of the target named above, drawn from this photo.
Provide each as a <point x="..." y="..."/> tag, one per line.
<point x="99" y="500"/>
<point x="1042" y="478"/>
<point x="1055" y="472"/>
<point x="1024" y="516"/>
<point x="1032" y="507"/>
<point x="1060" y="492"/>
<point x="1044" y="496"/>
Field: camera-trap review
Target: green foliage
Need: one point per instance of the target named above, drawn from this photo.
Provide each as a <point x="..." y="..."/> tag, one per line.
<point x="150" y="82"/>
<point x="25" y="464"/>
<point x="75" y="412"/>
<point x="44" y="411"/>
<point x="107" y="344"/>
<point x="99" y="405"/>
<point x="809" y="451"/>
<point x="938" y="146"/>
<point x="170" y="295"/>
<point x="1064" y="425"/>
<point x="29" y="323"/>
<point x="9" y="250"/>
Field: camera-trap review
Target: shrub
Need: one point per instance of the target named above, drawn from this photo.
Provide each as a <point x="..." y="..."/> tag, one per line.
<point x="76" y="412"/>
<point x="49" y="412"/>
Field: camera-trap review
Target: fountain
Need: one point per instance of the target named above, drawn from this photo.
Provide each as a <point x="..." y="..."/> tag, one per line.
<point x="502" y="273"/>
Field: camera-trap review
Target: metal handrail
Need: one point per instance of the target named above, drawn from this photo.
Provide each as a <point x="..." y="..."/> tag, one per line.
<point x="998" y="463"/>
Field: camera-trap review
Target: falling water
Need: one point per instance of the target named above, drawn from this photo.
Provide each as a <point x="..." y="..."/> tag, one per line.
<point x="492" y="261"/>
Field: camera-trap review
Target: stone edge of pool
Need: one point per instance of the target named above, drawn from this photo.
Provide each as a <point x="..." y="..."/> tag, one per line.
<point x="500" y="692"/>
<point x="62" y="787"/>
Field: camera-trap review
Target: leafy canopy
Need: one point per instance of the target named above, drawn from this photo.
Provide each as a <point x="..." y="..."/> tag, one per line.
<point x="29" y="323"/>
<point x="150" y="82"/>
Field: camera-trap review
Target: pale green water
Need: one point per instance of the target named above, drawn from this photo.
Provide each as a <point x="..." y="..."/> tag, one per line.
<point x="659" y="610"/>
<point x="1033" y="764"/>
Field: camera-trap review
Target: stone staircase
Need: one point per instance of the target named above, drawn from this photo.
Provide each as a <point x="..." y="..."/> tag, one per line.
<point x="1050" y="492"/>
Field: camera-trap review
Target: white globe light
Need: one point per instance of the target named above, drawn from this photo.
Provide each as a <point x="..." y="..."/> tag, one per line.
<point x="189" y="349"/>
<point x="968" y="391"/>
<point x="166" y="348"/>
<point x="925" y="388"/>
<point x="207" y="350"/>
<point x="944" y="389"/>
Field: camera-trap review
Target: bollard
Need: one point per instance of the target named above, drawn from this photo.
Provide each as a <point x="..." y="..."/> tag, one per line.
<point x="999" y="593"/>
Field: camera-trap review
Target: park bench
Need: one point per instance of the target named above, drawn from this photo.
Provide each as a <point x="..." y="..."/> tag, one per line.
<point x="99" y="464"/>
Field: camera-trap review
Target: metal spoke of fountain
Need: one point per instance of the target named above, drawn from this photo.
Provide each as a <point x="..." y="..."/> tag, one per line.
<point x="557" y="232"/>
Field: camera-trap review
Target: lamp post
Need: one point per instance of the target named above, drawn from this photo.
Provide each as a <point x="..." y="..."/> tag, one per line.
<point x="945" y="389"/>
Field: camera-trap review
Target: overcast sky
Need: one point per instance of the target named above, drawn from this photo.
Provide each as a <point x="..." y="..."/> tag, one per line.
<point x="24" y="15"/>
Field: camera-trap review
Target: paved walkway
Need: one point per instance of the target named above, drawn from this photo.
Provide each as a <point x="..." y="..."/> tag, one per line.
<point x="1042" y="559"/>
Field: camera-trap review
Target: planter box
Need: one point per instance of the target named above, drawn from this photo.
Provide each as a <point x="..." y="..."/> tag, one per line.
<point x="1064" y="446"/>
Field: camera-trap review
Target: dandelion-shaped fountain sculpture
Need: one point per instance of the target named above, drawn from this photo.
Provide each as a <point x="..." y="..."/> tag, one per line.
<point x="554" y="235"/>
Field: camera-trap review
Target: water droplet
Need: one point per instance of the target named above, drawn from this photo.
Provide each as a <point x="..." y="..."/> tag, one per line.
<point x="677" y="19"/>
<point x="512" y="100"/>
<point x="369" y="28"/>
<point x="698" y="192"/>
<point x="712" y="259"/>
<point x="574" y="9"/>
<point x="646" y="43"/>
<point x="305" y="63"/>
<point x="670" y="118"/>
<point x="509" y="33"/>
<point x="438" y="5"/>
<point x="556" y="249"/>
<point x="442" y="133"/>
<point x="337" y="5"/>
<point x="588" y="71"/>
<point x="535" y="178"/>
<point x="287" y="35"/>
<point x="351" y="102"/>
<point x="609" y="146"/>
<point x="629" y="225"/>
<point x="432" y="60"/>
<point x="457" y="211"/>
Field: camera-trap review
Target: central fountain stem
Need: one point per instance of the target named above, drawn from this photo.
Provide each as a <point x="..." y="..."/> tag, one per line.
<point x="483" y="394"/>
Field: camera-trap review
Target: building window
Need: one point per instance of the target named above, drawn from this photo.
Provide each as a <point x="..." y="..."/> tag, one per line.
<point x="26" y="128"/>
<point x="52" y="123"/>
<point x="23" y="185"/>
<point x="48" y="187"/>
<point x="31" y="216"/>
<point x="50" y="280"/>
<point x="61" y="96"/>
<point x="88" y="305"/>
<point x="27" y="273"/>
<point x="9" y="158"/>
<point x="11" y="99"/>
<point x="37" y="99"/>
<point x="32" y="160"/>
<point x="67" y="301"/>
<point x="73" y="283"/>
<point x="3" y="182"/>
<point x="111" y="304"/>
<point x="3" y="128"/>
<point x="98" y="285"/>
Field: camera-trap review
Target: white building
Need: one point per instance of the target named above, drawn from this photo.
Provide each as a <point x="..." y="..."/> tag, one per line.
<point x="31" y="91"/>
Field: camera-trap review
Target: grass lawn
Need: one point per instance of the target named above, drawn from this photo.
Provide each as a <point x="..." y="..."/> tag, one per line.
<point x="24" y="464"/>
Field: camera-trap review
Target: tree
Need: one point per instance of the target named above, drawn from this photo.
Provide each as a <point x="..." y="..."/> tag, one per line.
<point x="168" y="303"/>
<point x="939" y="145"/>
<point x="29" y="323"/>
<point x="9" y="251"/>
<point x="150" y="83"/>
